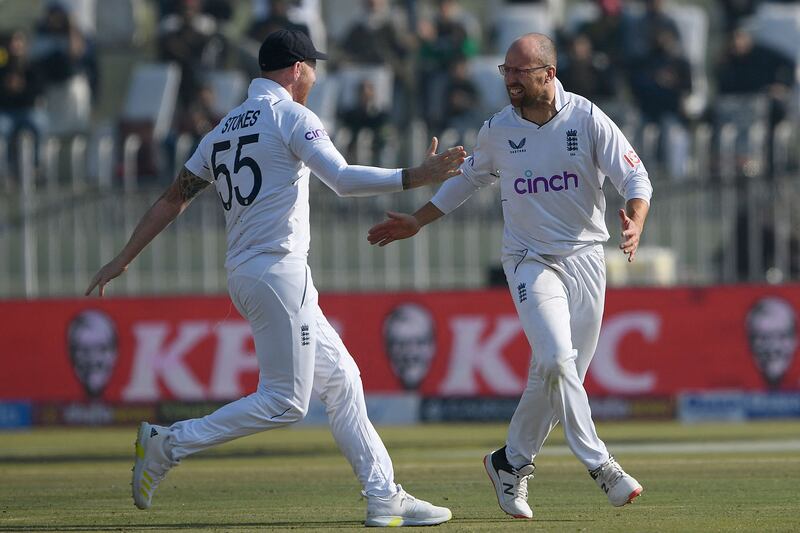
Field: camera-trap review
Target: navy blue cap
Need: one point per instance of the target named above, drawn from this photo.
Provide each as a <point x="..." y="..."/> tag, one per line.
<point x="283" y="48"/>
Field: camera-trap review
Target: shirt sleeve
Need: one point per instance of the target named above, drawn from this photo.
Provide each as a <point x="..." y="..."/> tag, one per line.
<point x="617" y="159"/>
<point x="476" y="172"/>
<point x="199" y="164"/>
<point x="352" y="180"/>
<point x="309" y="141"/>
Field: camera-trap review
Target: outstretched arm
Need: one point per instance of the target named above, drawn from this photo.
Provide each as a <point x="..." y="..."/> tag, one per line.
<point x="356" y="180"/>
<point x="401" y="225"/>
<point x="171" y="204"/>
<point x="632" y="219"/>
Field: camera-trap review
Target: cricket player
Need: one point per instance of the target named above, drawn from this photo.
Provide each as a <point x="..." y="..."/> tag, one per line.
<point x="259" y="158"/>
<point x="550" y="150"/>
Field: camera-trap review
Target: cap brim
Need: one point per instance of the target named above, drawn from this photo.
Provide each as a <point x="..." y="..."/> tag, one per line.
<point x="318" y="55"/>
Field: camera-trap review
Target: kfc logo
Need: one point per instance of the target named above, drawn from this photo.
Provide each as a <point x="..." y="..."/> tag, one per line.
<point x="772" y="335"/>
<point x="409" y="337"/>
<point x="92" y="344"/>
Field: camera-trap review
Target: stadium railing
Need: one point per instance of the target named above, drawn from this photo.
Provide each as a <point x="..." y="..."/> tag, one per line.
<point x="729" y="218"/>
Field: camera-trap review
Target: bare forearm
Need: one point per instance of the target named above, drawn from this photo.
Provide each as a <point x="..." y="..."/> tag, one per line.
<point x="166" y="209"/>
<point x="153" y="222"/>
<point x="413" y="178"/>
<point x="637" y="210"/>
<point x="427" y="214"/>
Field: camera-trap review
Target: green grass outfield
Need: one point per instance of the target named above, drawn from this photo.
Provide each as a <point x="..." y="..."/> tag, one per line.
<point x="726" y="477"/>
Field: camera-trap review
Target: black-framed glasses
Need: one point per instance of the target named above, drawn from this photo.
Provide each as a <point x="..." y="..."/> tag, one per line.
<point x="504" y="69"/>
<point x="311" y="63"/>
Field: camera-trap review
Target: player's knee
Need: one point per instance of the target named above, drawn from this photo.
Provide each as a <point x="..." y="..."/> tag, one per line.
<point x="296" y="412"/>
<point x="554" y="367"/>
<point x="280" y="410"/>
<point x="343" y="388"/>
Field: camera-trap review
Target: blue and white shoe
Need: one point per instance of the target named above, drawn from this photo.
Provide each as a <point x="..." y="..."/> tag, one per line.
<point x="510" y="484"/>
<point x="618" y="486"/>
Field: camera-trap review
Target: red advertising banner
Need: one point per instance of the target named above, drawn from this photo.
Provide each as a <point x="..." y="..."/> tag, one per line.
<point x="655" y="342"/>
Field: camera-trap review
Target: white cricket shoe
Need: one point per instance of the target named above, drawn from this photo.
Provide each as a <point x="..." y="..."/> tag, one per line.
<point x="402" y="509"/>
<point x="152" y="463"/>
<point x="510" y="484"/>
<point x="619" y="486"/>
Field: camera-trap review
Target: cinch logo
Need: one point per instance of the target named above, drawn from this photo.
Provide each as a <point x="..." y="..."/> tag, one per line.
<point x="315" y="134"/>
<point x="516" y="147"/>
<point x="558" y="182"/>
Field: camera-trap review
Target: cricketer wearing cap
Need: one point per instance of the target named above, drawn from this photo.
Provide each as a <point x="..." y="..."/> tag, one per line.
<point x="551" y="151"/>
<point x="259" y="158"/>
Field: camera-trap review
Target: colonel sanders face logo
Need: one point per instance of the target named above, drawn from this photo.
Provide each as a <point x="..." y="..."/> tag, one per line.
<point x="92" y="341"/>
<point x="410" y="340"/>
<point x="772" y="334"/>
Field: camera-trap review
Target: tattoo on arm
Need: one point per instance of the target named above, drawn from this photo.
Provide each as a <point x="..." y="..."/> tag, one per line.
<point x="190" y="185"/>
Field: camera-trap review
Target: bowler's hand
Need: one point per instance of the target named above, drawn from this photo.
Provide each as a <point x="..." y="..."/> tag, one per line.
<point x="399" y="226"/>
<point x="110" y="271"/>
<point x="438" y="167"/>
<point x="631" y="232"/>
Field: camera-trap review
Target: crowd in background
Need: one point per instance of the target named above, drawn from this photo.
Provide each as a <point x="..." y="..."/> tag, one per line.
<point x="629" y="58"/>
<point x="675" y="66"/>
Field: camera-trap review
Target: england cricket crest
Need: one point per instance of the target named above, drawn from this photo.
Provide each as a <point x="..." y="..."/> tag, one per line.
<point x="572" y="141"/>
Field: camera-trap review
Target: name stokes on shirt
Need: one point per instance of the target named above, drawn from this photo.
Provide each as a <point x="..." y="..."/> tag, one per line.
<point x="243" y="120"/>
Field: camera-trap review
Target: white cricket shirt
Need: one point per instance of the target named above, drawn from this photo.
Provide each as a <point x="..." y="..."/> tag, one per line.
<point x="257" y="157"/>
<point x="551" y="176"/>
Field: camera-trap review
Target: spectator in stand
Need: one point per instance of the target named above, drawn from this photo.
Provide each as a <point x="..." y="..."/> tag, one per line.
<point x="638" y="31"/>
<point x="587" y="72"/>
<point x="278" y="19"/>
<point x="462" y="99"/>
<point x="68" y="61"/>
<point x="221" y="10"/>
<point x="381" y="37"/>
<point x="453" y="34"/>
<point x="748" y="68"/>
<point x="366" y="115"/>
<point x="199" y="117"/>
<point x="660" y="82"/>
<point x="21" y="88"/>
<point x="662" y="79"/>
<point x="194" y="120"/>
<point x="190" y="39"/>
<point x="733" y="11"/>
<point x="605" y="32"/>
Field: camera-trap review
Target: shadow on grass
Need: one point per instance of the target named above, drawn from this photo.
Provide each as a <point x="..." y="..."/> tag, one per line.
<point x="215" y="526"/>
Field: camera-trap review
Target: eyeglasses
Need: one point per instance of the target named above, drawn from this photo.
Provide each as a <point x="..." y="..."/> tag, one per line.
<point x="513" y="70"/>
<point x="311" y="63"/>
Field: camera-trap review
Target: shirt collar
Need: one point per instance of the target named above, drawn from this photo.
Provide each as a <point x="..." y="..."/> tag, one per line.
<point x="561" y="95"/>
<point x="264" y="87"/>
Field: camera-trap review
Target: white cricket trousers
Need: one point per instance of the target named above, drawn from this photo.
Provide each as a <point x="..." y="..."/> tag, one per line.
<point x="297" y="351"/>
<point x="560" y="304"/>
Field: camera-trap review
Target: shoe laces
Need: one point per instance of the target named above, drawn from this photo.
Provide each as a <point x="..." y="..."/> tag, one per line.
<point x="522" y="485"/>
<point x="404" y="496"/>
<point x="611" y="472"/>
